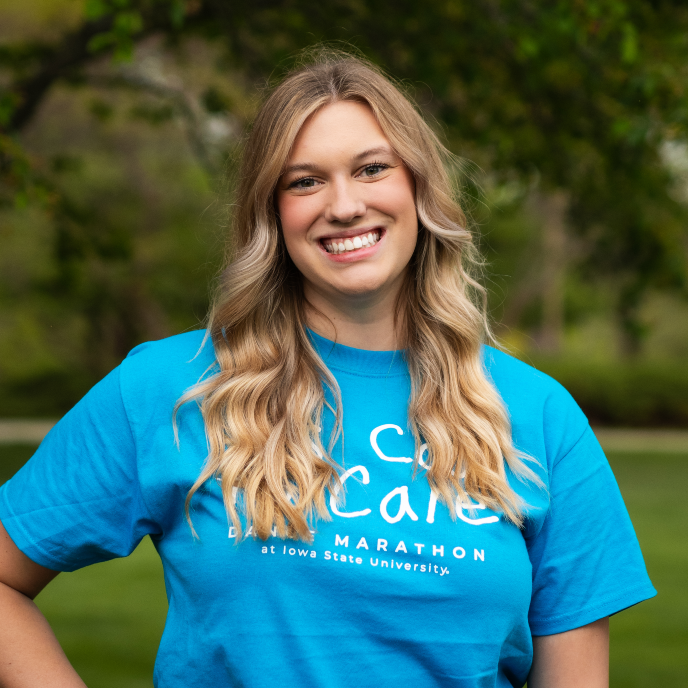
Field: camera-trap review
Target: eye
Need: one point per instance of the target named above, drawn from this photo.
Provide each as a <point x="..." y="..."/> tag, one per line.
<point x="304" y="183"/>
<point x="374" y="169"/>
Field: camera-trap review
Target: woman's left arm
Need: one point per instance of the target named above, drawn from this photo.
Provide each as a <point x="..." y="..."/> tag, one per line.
<point x="575" y="659"/>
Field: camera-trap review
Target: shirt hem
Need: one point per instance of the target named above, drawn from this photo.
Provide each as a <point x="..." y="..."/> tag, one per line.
<point x="21" y="539"/>
<point x="608" y="607"/>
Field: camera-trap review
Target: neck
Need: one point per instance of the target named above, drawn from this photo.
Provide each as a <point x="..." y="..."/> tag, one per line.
<point x="362" y="322"/>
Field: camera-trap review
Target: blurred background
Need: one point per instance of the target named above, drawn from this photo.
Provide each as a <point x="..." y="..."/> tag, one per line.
<point x="121" y="122"/>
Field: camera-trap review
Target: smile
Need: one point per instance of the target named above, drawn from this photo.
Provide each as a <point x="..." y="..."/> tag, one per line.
<point x="349" y="244"/>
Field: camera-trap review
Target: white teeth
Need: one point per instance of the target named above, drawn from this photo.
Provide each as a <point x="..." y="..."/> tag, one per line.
<point x="346" y="245"/>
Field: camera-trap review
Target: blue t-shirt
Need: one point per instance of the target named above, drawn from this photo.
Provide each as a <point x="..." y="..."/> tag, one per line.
<point x="392" y="591"/>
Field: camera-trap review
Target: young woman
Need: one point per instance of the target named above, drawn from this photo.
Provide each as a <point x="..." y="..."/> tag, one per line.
<point x="345" y="485"/>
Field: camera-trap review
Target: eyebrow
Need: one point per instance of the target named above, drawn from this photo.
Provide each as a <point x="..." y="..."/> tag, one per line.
<point x="312" y="167"/>
<point x="380" y="150"/>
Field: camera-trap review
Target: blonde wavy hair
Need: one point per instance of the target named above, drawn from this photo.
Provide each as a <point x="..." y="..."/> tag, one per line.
<point x="263" y="404"/>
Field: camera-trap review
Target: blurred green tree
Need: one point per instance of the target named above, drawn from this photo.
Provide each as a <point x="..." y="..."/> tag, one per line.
<point x="575" y="100"/>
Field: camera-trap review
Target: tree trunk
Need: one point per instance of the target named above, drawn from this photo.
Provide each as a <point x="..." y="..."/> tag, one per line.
<point x="551" y="209"/>
<point x="632" y="330"/>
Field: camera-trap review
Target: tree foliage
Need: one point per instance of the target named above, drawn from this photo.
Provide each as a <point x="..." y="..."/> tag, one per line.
<point x="578" y="98"/>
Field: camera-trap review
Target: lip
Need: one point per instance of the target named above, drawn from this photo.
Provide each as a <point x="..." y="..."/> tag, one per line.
<point x="360" y="253"/>
<point x="354" y="232"/>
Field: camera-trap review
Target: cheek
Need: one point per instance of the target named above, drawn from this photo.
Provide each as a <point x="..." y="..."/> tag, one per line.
<point x="296" y="216"/>
<point x="398" y="200"/>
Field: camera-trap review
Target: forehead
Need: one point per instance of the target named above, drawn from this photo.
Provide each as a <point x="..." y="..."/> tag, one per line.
<point x="340" y="128"/>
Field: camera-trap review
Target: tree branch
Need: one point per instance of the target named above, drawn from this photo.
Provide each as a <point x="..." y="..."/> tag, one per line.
<point x="184" y="104"/>
<point x="72" y="51"/>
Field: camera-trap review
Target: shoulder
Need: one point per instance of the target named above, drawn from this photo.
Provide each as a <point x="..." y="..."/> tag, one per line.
<point x="158" y="373"/>
<point x="544" y="416"/>
<point x="182" y="349"/>
<point x="511" y="375"/>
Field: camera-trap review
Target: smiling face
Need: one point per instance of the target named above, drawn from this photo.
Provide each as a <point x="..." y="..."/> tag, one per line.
<point x="347" y="207"/>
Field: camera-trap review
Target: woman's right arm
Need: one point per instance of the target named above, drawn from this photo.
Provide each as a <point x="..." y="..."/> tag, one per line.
<point x="30" y="655"/>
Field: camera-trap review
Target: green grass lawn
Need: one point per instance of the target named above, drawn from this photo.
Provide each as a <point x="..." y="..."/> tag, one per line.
<point x="649" y="644"/>
<point x="109" y="617"/>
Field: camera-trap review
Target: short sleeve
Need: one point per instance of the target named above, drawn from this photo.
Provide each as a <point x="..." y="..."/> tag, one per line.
<point x="586" y="558"/>
<point x="78" y="500"/>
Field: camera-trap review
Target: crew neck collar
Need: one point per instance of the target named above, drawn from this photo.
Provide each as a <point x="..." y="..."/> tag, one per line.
<point x="361" y="361"/>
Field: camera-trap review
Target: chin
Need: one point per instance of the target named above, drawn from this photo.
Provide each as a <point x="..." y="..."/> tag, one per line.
<point x="361" y="287"/>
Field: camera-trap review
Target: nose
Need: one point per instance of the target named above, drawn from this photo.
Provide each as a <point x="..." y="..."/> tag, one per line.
<point x="345" y="202"/>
